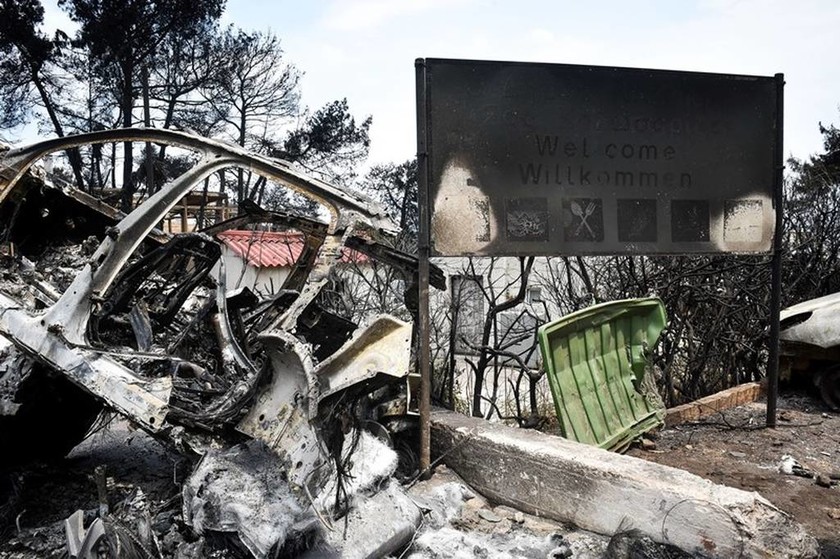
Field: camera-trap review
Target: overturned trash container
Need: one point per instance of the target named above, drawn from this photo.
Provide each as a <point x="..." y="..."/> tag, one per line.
<point x="595" y="361"/>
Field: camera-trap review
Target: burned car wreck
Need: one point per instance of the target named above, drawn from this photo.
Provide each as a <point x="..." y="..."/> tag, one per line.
<point x="272" y="396"/>
<point x="810" y="345"/>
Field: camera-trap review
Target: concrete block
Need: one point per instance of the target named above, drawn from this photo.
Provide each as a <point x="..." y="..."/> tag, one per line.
<point x="606" y="492"/>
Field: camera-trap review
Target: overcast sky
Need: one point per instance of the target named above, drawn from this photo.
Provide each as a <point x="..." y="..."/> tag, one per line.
<point x="364" y="50"/>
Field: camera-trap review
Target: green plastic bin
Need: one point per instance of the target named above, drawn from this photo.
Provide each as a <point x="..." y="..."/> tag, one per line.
<point x="595" y="362"/>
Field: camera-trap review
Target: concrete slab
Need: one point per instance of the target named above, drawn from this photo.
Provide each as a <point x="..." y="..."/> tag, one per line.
<point x="606" y="492"/>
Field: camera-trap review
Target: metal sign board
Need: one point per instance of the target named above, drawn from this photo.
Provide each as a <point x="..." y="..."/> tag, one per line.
<point x="542" y="159"/>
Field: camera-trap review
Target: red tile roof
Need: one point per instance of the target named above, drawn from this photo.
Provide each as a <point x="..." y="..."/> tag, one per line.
<point x="274" y="249"/>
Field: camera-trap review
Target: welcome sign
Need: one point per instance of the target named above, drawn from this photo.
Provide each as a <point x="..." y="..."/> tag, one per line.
<point x="542" y="159"/>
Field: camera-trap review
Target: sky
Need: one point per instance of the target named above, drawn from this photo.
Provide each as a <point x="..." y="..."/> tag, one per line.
<point x="365" y="50"/>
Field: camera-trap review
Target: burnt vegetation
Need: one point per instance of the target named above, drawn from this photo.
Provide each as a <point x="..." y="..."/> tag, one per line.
<point x="167" y="65"/>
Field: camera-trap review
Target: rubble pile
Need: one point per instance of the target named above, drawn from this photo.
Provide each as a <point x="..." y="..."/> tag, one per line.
<point x="39" y="283"/>
<point x="147" y="512"/>
<point x="251" y="425"/>
<point x="459" y="523"/>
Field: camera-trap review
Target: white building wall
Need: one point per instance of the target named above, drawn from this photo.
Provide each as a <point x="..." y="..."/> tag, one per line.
<point x="502" y="274"/>
<point x="262" y="281"/>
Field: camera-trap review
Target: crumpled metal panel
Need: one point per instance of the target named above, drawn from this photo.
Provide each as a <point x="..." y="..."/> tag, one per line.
<point x="595" y="363"/>
<point x="81" y="543"/>
<point x="280" y="415"/>
<point x="282" y="411"/>
<point x="146" y="401"/>
<point x="382" y="347"/>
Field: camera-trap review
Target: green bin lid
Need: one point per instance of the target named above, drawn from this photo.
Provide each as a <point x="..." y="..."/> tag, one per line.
<point x="595" y="362"/>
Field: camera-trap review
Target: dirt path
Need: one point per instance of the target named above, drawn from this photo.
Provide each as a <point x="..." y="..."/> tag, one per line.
<point x="734" y="448"/>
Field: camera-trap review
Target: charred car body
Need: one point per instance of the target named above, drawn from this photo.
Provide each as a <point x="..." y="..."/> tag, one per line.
<point x="810" y="345"/>
<point x="147" y="328"/>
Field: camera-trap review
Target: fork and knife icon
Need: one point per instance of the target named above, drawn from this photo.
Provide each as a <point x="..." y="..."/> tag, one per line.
<point x="584" y="215"/>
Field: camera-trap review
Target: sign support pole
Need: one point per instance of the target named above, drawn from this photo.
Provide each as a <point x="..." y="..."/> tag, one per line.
<point x="423" y="248"/>
<point x="776" y="262"/>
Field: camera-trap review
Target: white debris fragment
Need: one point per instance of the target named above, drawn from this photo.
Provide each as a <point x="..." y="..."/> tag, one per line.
<point x="787" y="464"/>
<point x="243" y="490"/>
<point x="371" y="461"/>
<point x="443" y="503"/>
<point x="376" y="526"/>
<point x="456" y="544"/>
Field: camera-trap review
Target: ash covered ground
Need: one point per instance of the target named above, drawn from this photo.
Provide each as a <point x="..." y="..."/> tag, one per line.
<point x="735" y="448"/>
<point x="143" y="494"/>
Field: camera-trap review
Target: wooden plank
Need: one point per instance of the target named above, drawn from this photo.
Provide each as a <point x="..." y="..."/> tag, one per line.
<point x="710" y="405"/>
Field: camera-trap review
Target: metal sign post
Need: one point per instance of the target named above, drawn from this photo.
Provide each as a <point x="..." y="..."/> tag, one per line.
<point x="776" y="262"/>
<point x="423" y="328"/>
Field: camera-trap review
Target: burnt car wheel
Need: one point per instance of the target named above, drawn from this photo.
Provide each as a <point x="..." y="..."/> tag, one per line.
<point x="829" y="384"/>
